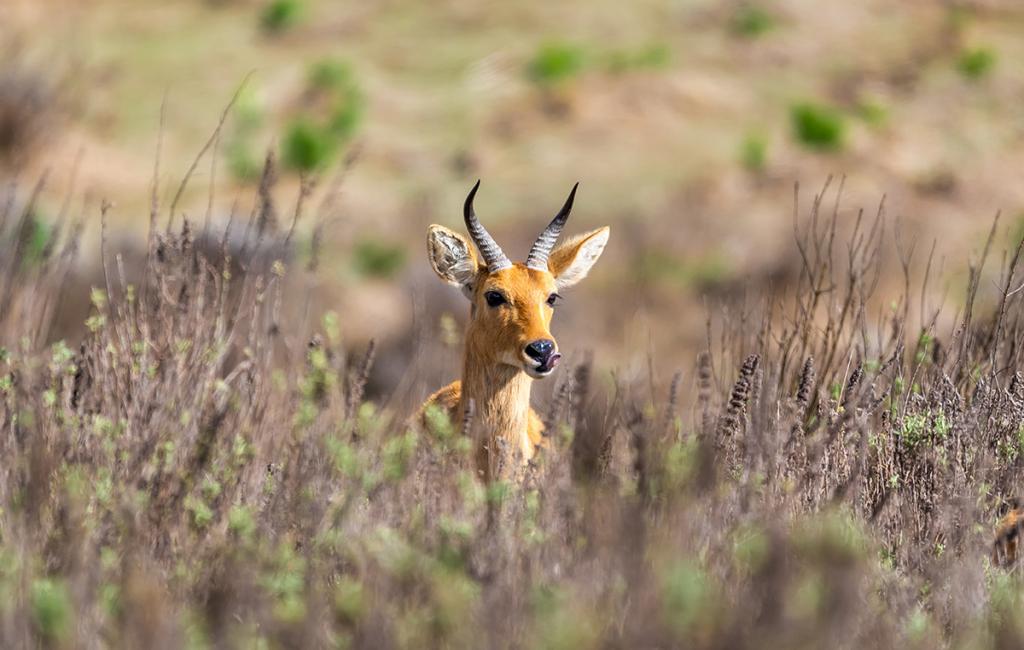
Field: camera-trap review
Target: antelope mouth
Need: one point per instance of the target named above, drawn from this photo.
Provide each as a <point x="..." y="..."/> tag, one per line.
<point x="540" y="370"/>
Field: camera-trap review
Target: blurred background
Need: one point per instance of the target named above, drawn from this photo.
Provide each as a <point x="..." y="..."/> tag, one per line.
<point x="688" y="123"/>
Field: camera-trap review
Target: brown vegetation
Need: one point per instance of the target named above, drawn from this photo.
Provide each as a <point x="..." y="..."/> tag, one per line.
<point x="205" y="472"/>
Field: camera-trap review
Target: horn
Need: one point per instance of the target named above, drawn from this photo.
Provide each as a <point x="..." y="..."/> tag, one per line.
<point x="538" y="257"/>
<point x="489" y="249"/>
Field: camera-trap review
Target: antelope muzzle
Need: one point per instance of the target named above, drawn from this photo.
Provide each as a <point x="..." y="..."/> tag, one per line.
<point x="543" y="356"/>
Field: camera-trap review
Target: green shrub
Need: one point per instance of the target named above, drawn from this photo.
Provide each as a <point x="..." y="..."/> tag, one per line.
<point x="331" y="75"/>
<point x="397" y="455"/>
<point x="976" y="63"/>
<point x="51" y="609"/>
<point x="751" y="21"/>
<point x="312" y="140"/>
<point x="687" y="596"/>
<point x="556" y="63"/>
<point x="38" y="235"/>
<point x="336" y="81"/>
<point x="240" y="522"/>
<point x="346" y="118"/>
<point x="202" y="515"/>
<point x="818" y="127"/>
<point x="307" y="147"/>
<point x="280" y="15"/>
<point x="349" y="600"/>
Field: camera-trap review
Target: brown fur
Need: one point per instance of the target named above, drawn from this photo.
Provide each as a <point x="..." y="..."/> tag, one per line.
<point x="449" y="398"/>
<point x="1004" y="550"/>
<point x="493" y="375"/>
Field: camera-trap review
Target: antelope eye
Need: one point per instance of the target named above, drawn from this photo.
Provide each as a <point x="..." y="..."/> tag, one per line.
<point x="553" y="299"/>
<point x="494" y="299"/>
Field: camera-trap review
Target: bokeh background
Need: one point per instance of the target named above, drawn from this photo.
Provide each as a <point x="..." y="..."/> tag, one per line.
<point x="688" y="124"/>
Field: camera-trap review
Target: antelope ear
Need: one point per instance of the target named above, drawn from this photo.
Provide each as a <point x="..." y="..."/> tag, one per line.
<point x="453" y="258"/>
<point x="571" y="261"/>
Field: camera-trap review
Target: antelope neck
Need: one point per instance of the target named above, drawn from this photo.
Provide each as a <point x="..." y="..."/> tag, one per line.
<point x="501" y="402"/>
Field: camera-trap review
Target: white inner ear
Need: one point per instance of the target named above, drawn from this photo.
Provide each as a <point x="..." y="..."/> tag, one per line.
<point x="585" y="258"/>
<point x="453" y="260"/>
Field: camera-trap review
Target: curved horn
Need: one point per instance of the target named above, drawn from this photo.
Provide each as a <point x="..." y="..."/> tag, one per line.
<point x="538" y="257"/>
<point x="489" y="249"/>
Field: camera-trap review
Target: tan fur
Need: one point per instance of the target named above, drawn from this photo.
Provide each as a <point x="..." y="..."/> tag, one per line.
<point x="1004" y="550"/>
<point x="493" y="376"/>
<point x="449" y="399"/>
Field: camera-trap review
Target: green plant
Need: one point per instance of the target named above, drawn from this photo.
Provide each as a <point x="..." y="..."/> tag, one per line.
<point x="38" y="236"/>
<point x="817" y="126"/>
<point x="51" y="609"/>
<point x="348" y="599"/>
<point x="687" y="596"/>
<point x="307" y="146"/>
<point x="751" y="21"/>
<point x="331" y="75"/>
<point x="925" y="348"/>
<point x="346" y="117"/>
<point x="976" y="63"/>
<point x="280" y="15"/>
<point x="335" y="81"/>
<point x="312" y="139"/>
<point x="556" y="63"/>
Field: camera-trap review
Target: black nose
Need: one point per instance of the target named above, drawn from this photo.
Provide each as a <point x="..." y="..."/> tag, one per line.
<point x="540" y="350"/>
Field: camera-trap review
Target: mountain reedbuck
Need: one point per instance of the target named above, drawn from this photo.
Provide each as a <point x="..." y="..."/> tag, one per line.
<point x="508" y="341"/>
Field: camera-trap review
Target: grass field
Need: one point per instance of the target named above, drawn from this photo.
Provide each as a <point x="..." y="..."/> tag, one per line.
<point x="204" y="471"/>
<point x="791" y="410"/>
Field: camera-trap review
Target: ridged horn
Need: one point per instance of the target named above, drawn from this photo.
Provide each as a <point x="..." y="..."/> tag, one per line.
<point x="538" y="257"/>
<point x="493" y="256"/>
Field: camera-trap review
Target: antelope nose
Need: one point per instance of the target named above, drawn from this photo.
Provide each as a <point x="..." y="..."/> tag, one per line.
<point x="540" y="350"/>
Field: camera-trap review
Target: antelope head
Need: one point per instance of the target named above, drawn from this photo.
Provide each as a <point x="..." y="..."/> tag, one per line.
<point x="512" y="303"/>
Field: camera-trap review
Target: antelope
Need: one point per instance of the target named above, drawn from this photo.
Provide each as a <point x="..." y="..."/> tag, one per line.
<point x="508" y="341"/>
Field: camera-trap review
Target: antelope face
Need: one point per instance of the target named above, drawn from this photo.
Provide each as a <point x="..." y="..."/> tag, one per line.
<point x="512" y="310"/>
<point x="512" y="304"/>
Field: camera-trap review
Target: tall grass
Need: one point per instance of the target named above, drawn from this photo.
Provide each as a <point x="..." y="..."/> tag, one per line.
<point x="203" y="472"/>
